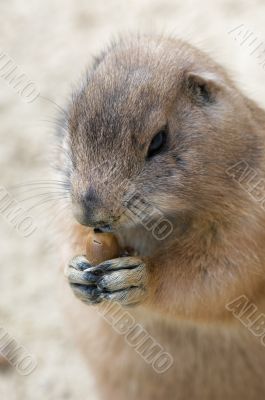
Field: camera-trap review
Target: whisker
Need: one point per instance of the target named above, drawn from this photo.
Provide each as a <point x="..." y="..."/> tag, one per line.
<point x="61" y="150"/>
<point x="55" y="123"/>
<point x="40" y="191"/>
<point x="60" y="108"/>
<point x="67" y="201"/>
<point x="59" y="184"/>
<point x="47" y="194"/>
<point x="59" y="213"/>
<point x="45" y="201"/>
<point x="51" y="207"/>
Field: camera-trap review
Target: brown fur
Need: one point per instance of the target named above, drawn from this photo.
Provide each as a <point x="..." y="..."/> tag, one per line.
<point x="216" y="251"/>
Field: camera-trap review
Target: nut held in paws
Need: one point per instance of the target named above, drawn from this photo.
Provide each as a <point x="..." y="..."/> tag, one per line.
<point x="101" y="247"/>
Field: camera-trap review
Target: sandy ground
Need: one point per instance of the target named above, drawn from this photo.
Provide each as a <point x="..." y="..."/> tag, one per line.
<point x="52" y="41"/>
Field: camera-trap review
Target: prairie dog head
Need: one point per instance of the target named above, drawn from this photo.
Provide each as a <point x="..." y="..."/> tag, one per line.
<point x="157" y="121"/>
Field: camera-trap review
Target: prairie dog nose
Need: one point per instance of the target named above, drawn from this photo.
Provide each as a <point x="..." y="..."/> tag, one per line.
<point x="90" y="199"/>
<point x="89" y="210"/>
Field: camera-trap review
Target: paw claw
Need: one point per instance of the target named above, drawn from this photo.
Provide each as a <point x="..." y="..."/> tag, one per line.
<point x="122" y="279"/>
<point x="88" y="294"/>
<point x="80" y="263"/>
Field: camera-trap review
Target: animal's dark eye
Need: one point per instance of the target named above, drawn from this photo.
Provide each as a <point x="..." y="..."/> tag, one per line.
<point x="157" y="144"/>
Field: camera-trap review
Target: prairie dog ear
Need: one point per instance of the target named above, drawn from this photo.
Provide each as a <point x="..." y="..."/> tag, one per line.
<point x="203" y="86"/>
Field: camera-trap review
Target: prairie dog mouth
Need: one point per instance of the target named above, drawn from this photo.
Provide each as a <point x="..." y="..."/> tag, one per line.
<point x="104" y="229"/>
<point x="134" y="239"/>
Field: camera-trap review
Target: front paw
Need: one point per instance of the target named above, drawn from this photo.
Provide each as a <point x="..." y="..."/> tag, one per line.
<point x="123" y="280"/>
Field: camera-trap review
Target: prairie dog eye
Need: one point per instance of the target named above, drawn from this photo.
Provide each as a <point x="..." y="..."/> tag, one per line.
<point x="157" y="144"/>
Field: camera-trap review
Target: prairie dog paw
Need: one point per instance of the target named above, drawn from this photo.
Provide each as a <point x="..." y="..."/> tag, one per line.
<point x="82" y="283"/>
<point x="122" y="279"/>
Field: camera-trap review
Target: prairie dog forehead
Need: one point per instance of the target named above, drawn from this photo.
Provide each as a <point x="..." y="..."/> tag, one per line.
<point x="140" y="63"/>
<point x="132" y="95"/>
<point x="128" y="84"/>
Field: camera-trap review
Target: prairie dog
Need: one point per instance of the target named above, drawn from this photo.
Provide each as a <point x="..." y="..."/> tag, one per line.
<point x="157" y="124"/>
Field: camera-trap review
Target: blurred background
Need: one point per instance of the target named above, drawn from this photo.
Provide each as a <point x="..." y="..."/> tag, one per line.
<point x="52" y="41"/>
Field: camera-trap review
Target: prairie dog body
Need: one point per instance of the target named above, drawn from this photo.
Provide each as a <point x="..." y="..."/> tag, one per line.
<point x="158" y="123"/>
